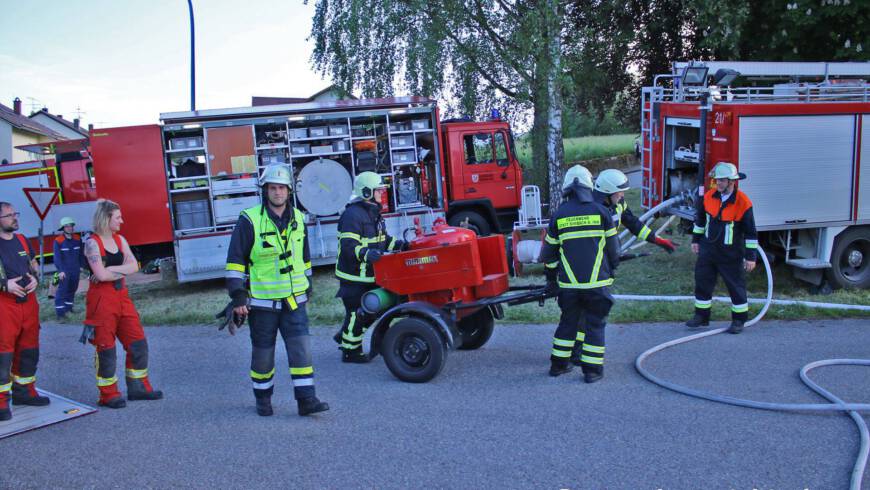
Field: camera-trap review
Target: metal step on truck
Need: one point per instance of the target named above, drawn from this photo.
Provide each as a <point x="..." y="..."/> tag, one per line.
<point x="801" y="133"/>
<point x="182" y="184"/>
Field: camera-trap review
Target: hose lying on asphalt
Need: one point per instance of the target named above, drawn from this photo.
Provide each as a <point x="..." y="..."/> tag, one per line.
<point x="836" y="405"/>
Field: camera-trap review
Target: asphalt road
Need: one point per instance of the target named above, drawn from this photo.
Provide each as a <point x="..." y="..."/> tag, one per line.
<point x="492" y="419"/>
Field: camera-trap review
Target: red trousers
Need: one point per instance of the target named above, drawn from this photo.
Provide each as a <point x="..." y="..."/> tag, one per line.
<point x="19" y="340"/>
<point x="114" y="318"/>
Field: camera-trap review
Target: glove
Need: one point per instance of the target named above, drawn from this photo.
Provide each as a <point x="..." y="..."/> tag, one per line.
<point x="552" y="287"/>
<point x="373" y="255"/>
<point x="666" y="244"/>
<point x="87" y="334"/>
<point x="230" y="320"/>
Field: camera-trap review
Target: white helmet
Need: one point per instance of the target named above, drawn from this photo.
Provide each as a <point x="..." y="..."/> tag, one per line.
<point x="726" y="170"/>
<point x="276" y="174"/>
<point x="577" y="174"/>
<point x="611" y="181"/>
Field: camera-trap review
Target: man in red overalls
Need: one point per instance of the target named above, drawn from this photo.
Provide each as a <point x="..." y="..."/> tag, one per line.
<point x="19" y="317"/>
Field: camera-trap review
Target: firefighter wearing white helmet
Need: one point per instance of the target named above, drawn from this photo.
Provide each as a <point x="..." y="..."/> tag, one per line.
<point x="268" y="278"/>
<point x="726" y="242"/>
<point x="580" y="254"/>
<point x="610" y="187"/>
<point x="69" y="258"/>
<point x="362" y="240"/>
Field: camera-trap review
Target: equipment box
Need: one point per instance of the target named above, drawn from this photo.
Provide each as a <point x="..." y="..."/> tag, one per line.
<point x="321" y="149"/>
<point x="400" y="126"/>
<point x="185" y="143"/>
<point x="301" y="149"/>
<point x="338" y="130"/>
<point x="233" y="186"/>
<point x="403" y="141"/>
<point x="298" y="133"/>
<point x="420" y="124"/>
<point x="340" y="145"/>
<point x="403" y="157"/>
<point x="318" y="131"/>
<point x="227" y="210"/>
<point x="192" y="214"/>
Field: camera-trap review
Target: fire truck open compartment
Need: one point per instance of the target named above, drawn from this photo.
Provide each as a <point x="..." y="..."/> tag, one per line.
<point x="802" y="144"/>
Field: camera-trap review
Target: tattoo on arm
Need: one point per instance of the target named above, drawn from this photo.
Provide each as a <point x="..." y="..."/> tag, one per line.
<point x="92" y="252"/>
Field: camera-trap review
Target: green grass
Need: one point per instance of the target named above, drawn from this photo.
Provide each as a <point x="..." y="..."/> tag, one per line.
<point x="658" y="274"/>
<point x="584" y="148"/>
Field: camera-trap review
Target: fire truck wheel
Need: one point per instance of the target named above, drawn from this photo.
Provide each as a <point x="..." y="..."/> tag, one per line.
<point x="475" y="222"/>
<point x="850" y="259"/>
<point x="414" y="350"/>
<point x="476" y="329"/>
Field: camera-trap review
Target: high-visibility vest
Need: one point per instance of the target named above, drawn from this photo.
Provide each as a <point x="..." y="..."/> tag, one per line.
<point x="277" y="265"/>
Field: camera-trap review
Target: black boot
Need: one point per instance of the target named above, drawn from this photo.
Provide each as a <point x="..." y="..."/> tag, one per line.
<point x="117" y="402"/>
<point x="593" y="376"/>
<point x="310" y="405"/>
<point x="27" y="395"/>
<point x="559" y="367"/>
<point x="354" y="356"/>
<point x="264" y="407"/>
<point x="698" y="321"/>
<point x="140" y="389"/>
<point x="736" y="326"/>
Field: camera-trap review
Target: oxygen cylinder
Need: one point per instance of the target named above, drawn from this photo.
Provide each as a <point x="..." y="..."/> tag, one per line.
<point x="377" y="301"/>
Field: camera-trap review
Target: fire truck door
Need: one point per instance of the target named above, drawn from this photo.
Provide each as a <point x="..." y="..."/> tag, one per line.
<point x="487" y="172"/>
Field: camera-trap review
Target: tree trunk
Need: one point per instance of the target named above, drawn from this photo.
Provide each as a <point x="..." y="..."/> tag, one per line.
<point x="555" y="146"/>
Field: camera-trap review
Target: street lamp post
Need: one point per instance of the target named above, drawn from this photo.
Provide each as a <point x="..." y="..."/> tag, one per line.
<point x="192" y="59"/>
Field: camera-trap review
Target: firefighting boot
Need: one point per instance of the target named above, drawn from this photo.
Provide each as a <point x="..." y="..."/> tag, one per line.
<point x="140" y="389"/>
<point x="593" y="375"/>
<point x="698" y="321"/>
<point x="310" y="405"/>
<point x="111" y="397"/>
<point x="27" y="395"/>
<point x="354" y="356"/>
<point x="736" y="326"/>
<point x="264" y="407"/>
<point x="5" y="413"/>
<point x="560" y="366"/>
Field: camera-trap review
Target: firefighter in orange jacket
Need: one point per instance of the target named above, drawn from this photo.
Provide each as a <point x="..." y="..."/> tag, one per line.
<point x="726" y="242"/>
<point x="19" y="317"/>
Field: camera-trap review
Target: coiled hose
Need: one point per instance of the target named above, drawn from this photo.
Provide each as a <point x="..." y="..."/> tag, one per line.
<point x="836" y="405"/>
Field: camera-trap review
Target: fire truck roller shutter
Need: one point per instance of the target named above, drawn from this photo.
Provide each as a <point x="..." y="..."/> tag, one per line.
<point x="323" y="187"/>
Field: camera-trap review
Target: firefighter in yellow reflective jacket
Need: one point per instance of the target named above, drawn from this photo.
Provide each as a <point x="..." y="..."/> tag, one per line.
<point x="580" y="253"/>
<point x="362" y="239"/>
<point x="269" y="251"/>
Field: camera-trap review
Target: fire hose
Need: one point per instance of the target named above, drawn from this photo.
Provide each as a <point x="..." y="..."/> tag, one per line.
<point x="836" y="405"/>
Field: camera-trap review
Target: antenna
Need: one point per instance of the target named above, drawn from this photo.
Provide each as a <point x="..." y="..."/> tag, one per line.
<point x="79" y="112"/>
<point x="34" y="104"/>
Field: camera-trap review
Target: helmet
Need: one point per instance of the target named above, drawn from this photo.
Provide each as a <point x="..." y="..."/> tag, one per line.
<point x="579" y="175"/>
<point x="725" y="170"/>
<point x="275" y="174"/>
<point x="611" y="181"/>
<point x="365" y="184"/>
<point x="66" y="220"/>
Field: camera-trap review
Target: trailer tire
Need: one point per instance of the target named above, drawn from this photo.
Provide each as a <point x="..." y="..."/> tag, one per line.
<point x="476" y="329"/>
<point x="850" y="260"/>
<point x="414" y="350"/>
<point x="475" y="222"/>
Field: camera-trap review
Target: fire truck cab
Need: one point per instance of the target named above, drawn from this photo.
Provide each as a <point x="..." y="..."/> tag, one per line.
<point x="801" y="133"/>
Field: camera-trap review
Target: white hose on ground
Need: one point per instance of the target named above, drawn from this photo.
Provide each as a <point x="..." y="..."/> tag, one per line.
<point x="836" y="405"/>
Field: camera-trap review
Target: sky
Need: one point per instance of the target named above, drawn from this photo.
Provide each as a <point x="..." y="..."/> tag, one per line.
<point x="123" y="62"/>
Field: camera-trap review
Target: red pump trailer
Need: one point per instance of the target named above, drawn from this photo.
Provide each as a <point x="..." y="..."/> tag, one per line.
<point x="802" y="143"/>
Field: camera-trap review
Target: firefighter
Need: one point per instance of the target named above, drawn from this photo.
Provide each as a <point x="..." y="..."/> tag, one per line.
<point x="110" y="315"/>
<point x="19" y="317"/>
<point x="610" y="187"/>
<point x="580" y="254"/>
<point x="68" y="257"/>
<point x="362" y="240"/>
<point x="269" y="249"/>
<point x="726" y="243"/>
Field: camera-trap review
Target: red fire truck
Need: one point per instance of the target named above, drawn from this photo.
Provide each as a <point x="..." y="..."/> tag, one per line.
<point x="182" y="183"/>
<point x="800" y="133"/>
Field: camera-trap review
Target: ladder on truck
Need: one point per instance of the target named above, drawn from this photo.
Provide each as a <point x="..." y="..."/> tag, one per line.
<point x="649" y="96"/>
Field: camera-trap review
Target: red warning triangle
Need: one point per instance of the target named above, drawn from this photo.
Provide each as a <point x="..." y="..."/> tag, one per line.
<point x="41" y="199"/>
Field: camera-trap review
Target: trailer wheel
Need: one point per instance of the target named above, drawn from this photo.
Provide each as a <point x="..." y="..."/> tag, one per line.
<point x="850" y="260"/>
<point x="476" y="329"/>
<point x="475" y="222"/>
<point x="414" y="350"/>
